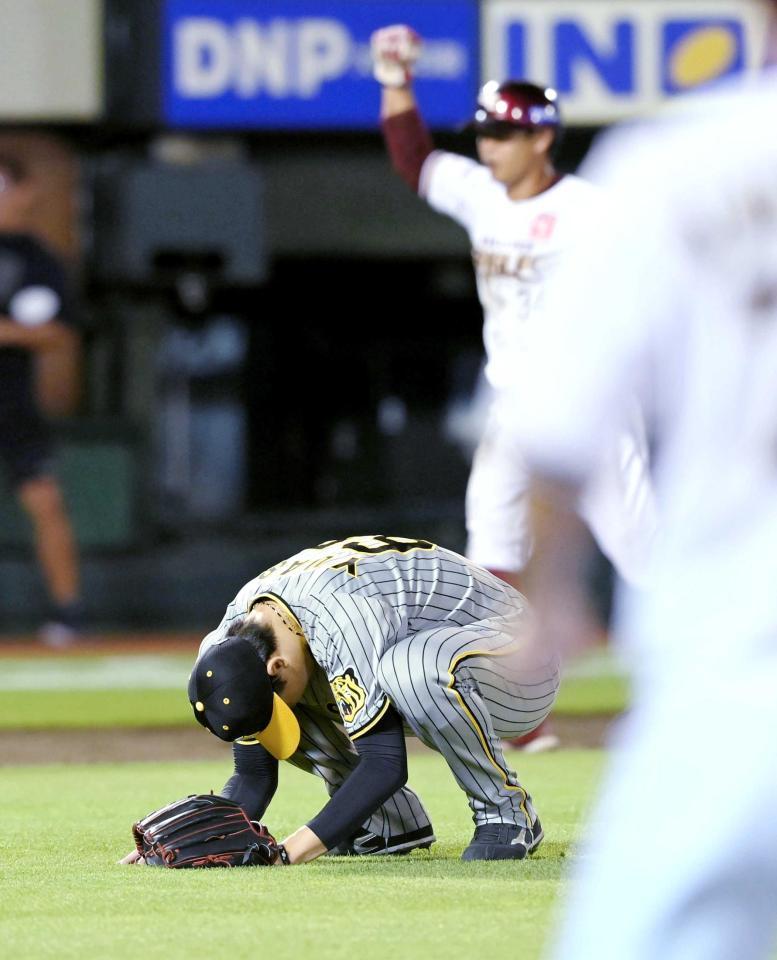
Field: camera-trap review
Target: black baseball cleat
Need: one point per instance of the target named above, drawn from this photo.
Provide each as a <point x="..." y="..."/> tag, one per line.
<point x="373" y="844"/>
<point x="504" y="841"/>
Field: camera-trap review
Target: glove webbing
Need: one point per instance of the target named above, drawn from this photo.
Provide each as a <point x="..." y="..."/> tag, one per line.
<point x="203" y="831"/>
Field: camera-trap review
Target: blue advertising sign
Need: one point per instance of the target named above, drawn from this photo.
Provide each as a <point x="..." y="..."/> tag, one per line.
<point x="291" y="64"/>
<point x="610" y="59"/>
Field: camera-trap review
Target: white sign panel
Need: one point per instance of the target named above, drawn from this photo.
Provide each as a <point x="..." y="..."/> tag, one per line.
<point x="51" y="60"/>
<point x="610" y="59"/>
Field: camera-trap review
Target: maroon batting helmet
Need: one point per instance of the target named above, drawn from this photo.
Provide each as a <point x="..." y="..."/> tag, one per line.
<point x="514" y="105"/>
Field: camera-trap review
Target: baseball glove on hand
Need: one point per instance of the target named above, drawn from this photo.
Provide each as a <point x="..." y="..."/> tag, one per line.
<point x="394" y="53"/>
<point x="205" y="831"/>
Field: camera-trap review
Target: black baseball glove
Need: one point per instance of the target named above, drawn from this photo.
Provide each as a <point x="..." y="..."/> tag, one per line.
<point x="205" y="831"/>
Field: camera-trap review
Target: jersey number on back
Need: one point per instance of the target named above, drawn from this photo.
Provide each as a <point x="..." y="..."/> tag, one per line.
<point x="344" y="554"/>
<point x="371" y="546"/>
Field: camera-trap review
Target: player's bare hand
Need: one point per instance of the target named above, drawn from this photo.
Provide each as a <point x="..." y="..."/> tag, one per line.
<point x="394" y="51"/>
<point x="133" y="858"/>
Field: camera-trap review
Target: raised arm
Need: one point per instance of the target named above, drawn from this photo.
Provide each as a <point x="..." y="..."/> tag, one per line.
<point x="394" y="51"/>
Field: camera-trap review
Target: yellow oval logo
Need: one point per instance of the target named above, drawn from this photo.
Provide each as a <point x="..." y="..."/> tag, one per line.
<point x="702" y="56"/>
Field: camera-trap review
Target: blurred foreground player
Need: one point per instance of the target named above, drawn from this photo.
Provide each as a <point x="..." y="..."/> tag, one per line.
<point x="326" y="658"/>
<point x="33" y="319"/>
<point x="524" y="218"/>
<point x="678" y="296"/>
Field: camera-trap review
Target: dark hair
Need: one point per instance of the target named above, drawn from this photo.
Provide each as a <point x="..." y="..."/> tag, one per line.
<point x="13" y="168"/>
<point x="262" y="638"/>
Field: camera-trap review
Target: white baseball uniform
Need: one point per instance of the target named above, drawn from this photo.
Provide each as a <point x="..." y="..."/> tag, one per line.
<point x="676" y="296"/>
<point x="517" y="247"/>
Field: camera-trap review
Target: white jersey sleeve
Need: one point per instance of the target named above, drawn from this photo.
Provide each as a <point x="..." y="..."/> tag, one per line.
<point x="612" y="304"/>
<point x="452" y="184"/>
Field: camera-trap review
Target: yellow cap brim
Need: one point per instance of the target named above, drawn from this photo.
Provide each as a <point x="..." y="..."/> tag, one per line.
<point x="281" y="736"/>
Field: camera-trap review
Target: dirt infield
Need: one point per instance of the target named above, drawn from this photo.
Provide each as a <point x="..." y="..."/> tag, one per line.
<point x="122" y="745"/>
<point x="27" y="645"/>
<point x="111" y="745"/>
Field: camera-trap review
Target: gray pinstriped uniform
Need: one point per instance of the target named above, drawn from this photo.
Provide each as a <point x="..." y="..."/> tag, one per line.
<point x="393" y="620"/>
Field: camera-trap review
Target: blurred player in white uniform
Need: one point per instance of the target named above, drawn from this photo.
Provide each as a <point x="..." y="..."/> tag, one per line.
<point x="676" y="296"/>
<point x="523" y="218"/>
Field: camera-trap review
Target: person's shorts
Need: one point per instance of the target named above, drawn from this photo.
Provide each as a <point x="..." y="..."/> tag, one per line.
<point x="25" y="446"/>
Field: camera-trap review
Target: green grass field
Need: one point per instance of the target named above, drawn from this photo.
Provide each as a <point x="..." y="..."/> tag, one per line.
<point x="66" y="826"/>
<point x="64" y="895"/>
<point x="87" y="691"/>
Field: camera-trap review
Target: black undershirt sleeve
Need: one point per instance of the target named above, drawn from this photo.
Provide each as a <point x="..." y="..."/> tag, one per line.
<point x="255" y="780"/>
<point x="381" y="771"/>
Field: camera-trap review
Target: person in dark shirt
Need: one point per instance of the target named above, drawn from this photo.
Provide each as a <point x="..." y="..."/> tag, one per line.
<point x="34" y="318"/>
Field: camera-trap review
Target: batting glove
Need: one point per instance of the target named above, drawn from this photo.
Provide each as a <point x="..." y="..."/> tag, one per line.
<point x="394" y="53"/>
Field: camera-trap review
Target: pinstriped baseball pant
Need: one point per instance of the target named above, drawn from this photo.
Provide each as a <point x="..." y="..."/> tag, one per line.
<point x="461" y="690"/>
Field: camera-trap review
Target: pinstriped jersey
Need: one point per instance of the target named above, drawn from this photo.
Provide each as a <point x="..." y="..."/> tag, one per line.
<point x="355" y="598"/>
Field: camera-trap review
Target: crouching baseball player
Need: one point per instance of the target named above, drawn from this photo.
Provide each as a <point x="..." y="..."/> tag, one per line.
<point x="327" y="659"/>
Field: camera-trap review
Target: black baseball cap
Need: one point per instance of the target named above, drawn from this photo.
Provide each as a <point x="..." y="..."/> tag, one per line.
<point x="231" y="694"/>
